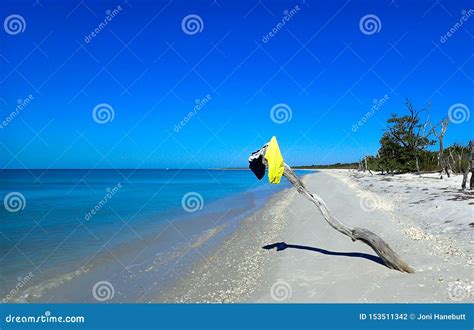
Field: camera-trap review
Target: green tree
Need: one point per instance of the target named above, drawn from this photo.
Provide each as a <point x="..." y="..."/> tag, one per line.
<point x="408" y="136"/>
<point x="392" y="156"/>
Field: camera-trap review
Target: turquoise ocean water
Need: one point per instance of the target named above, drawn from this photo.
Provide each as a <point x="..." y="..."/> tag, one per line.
<point x="63" y="230"/>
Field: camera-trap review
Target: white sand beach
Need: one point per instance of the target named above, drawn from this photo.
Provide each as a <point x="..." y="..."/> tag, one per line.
<point x="427" y="221"/>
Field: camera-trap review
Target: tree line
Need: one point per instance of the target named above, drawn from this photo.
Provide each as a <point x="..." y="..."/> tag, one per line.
<point x="404" y="147"/>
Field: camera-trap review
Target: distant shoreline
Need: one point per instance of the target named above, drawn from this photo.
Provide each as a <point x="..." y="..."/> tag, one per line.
<point x="299" y="167"/>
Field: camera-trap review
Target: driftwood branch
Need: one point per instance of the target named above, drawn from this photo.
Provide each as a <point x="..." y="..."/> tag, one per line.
<point x="390" y="258"/>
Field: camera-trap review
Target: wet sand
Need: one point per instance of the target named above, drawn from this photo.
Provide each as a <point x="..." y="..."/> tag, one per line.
<point x="305" y="260"/>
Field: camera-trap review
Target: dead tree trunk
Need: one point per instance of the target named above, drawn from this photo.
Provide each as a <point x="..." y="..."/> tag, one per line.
<point x="442" y="162"/>
<point x="391" y="259"/>
<point x="470" y="167"/>
<point x="454" y="165"/>
<point x="417" y="165"/>
<point x="464" y="179"/>
<point x="366" y="166"/>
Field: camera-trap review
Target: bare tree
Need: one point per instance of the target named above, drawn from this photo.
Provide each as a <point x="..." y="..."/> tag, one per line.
<point x="442" y="162"/>
<point x="464" y="179"/>
<point x="469" y="168"/>
<point x="471" y="163"/>
<point x="366" y="167"/>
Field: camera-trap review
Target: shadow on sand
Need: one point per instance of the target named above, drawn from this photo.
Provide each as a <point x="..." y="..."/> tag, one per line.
<point x="280" y="246"/>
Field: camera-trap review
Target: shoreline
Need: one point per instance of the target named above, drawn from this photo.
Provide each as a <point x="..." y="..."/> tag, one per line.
<point x="319" y="265"/>
<point x="265" y="246"/>
<point x="236" y="268"/>
<point x="143" y="267"/>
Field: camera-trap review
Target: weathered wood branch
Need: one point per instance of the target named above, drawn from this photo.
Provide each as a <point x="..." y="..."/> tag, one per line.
<point x="464" y="178"/>
<point x="442" y="162"/>
<point x="390" y="258"/>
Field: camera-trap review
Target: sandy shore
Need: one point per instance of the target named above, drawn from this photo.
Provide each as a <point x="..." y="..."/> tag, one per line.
<point x="427" y="221"/>
<point x="236" y="270"/>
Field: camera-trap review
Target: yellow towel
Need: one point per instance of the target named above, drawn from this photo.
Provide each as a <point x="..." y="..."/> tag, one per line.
<point x="274" y="161"/>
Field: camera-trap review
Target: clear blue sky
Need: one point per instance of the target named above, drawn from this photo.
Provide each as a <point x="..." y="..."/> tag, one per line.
<point x="151" y="72"/>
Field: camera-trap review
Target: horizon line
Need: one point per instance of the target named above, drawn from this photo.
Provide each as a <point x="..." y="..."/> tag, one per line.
<point x="161" y="168"/>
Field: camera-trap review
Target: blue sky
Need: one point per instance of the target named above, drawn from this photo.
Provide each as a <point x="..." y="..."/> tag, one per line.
<point x="321" y="64"/>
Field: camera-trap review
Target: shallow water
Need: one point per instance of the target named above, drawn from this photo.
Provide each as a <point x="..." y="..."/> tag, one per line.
<point x="132" y="228"/>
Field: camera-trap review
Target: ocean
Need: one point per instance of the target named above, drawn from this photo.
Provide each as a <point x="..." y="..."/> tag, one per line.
<point x="63" y="231"/>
